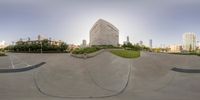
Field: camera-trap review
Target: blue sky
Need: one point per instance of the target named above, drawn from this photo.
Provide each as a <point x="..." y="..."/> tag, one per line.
<point x="163" y="21"/>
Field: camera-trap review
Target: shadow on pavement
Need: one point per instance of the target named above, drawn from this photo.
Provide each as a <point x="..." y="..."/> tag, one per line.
<point x="186" y="70"/>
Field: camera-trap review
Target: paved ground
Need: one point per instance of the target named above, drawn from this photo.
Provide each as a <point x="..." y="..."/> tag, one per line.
<point x="102" y="77"/>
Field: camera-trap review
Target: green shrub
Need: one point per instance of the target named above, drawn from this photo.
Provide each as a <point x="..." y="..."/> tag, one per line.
<point x="198" y="54"/>
<point x="46" y="47"/>
<point x="2" y="54"/>
<point x="126" y="53"/>
<point x="105" y="46"/>
<point x="85" y="50"/>
<point x="135" y="47"/>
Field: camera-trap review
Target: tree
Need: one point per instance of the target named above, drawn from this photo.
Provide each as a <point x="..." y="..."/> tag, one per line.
<point x="190" y="49"/>
<point x="63" y="47"/>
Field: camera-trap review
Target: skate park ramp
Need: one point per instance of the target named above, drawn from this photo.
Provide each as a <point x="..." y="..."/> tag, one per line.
<point x="153" y="78"/>
<point x="101" y="76"/>
<point x="18" y="60"/>
<point x="65" y="78"/>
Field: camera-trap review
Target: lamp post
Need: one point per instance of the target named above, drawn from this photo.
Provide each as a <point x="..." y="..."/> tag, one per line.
<point x="41" y="46"/>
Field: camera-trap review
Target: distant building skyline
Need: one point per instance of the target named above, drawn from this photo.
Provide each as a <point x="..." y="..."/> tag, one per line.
<point x="175" y="48"/>
<point x="39" y="39"/>
<point x="189" y="41"/>
<point x="70" y="20"/>
<point x="84" y="44"/>
<point x="140" y="42"/>
<point x="127" y="39"/>
<point x="150" y="43"/>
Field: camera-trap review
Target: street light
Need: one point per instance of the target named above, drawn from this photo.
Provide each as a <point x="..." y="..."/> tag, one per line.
<point x="41" y="46"/>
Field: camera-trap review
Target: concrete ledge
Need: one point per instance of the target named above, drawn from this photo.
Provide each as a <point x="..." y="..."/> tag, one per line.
<point x="84" y="56"/>
<point x="21" y="69"/>
<point x="186" y="70"/>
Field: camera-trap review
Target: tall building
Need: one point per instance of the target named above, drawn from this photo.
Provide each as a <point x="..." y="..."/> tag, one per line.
<point x="29" y="39"/>
<point x="140" y="43"/>
<point x="150" y="43"/>
<point x="127" y="39"/>
<point x="104" y="33"/>
<point x="189" y="41"/>
<point x="40" y="37"/>
<point x="84" y="44"/>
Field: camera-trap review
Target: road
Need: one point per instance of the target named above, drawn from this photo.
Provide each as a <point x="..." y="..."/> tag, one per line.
<point x="106" y="77"/>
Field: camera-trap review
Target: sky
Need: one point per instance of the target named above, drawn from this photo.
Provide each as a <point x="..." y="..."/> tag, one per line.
<point x="163" y="21"/>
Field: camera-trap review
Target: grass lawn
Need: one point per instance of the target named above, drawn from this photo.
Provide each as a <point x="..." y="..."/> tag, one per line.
<point x="126" y="53"/>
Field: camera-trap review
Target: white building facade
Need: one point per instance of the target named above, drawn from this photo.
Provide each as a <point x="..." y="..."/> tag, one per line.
<point x="104" y="33"/>
<point x="175" y="48"/>
<point x="189" y="41"/>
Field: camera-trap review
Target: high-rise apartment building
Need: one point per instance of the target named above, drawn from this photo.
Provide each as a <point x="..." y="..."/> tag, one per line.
<point x="84" y="44"/>
<point x="189" y="41"/>
<point x="127" y="39"/>
<point x="150" y="43"/>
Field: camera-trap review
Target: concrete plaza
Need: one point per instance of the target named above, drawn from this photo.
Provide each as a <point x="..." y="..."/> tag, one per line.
<point x="103" y="77"/>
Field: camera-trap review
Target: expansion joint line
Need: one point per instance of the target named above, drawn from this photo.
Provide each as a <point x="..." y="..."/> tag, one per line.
<point x="11" y="61"/>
